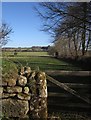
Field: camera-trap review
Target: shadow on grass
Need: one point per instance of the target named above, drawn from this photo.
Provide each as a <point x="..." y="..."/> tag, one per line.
<point x="83" y="63"/>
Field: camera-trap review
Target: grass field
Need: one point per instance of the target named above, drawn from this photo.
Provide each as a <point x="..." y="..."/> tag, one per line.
<point x="24" y="54"/>
<point x="39" y="59"/>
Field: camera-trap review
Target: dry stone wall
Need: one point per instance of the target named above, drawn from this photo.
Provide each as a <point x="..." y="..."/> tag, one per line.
<point x="25" y="96"/>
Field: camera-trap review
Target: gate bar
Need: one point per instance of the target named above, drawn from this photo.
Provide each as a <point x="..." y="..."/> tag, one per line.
<point x="68" y="89"/>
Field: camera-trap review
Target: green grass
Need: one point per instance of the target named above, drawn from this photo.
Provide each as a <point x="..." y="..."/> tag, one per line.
<point x="39" y="59"/>
<point x="24" y="54"/>
<point x="44" y="63"/>
<point x="9" y="69"/>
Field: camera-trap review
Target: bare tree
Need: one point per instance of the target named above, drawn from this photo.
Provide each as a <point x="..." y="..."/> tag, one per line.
<point x="5" y="30"/>
<point x="72" y="20"/>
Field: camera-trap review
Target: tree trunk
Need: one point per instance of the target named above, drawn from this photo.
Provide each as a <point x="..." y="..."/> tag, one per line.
<point x="84" y="28"/>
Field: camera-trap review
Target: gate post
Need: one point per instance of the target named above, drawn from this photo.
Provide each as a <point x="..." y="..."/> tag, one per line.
<point x="41" y="93"/>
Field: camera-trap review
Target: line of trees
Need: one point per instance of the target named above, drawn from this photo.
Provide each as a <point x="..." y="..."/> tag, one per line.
<point x="69" y="24"/>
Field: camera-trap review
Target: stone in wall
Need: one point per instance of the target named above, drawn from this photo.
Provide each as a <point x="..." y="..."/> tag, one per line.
<point x="14" y="108"/>
<point x="21" y="71"/>
<point x="31" y="77"/>
<point x="9" y="76"/>
<point x="22" y="80"/>
<point x="38" y="107"/>
<point x="15" y="89"/>
<point x="27" y="71"/>
<point x="23" y="96"/>
<point x="8" y="82"/>
<point x="1" y="89"/>
<point x="26" y="90"/>
<point x="32" y="83"/>
<point x="11" y="82"/>
<point x="7" y="95"/>
<point x="43" y="111"/>
<point x="4" y="83"/>
<point x="41" y="84"/>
